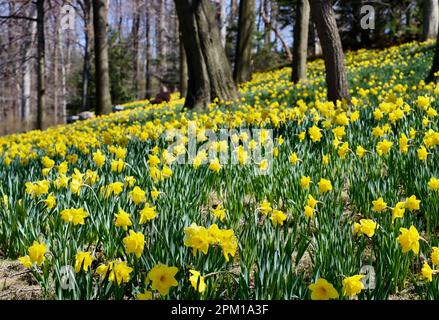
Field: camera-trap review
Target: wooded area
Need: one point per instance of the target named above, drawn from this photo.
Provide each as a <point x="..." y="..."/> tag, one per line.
<point x="115" y="52"/>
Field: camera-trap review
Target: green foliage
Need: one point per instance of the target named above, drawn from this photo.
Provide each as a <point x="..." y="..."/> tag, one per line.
<point x="120" y="69"/>
<point x="267" y="59"/>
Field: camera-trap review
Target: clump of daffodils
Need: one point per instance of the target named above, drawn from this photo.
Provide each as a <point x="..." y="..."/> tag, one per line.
<point x="200" y="239"/>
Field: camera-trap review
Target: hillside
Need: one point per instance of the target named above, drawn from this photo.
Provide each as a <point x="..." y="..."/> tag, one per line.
<point x="289" y="189"/>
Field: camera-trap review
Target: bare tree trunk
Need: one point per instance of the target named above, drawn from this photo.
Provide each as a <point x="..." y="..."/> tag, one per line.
<point x="148" y="53"/>
<point x="301" y="31"/>
<point x="210" y="74"/>
<point x="336" y="77"/>
<point x="431" y="19"/>
<point x="314" y="41"/>
<point x="246" y="25"/>
<point x="103" y="96"/>
<point x="175" y="54"/>
<point x="265" y="8"/>
<point x="15" y="66"/>
<point x="119" y="15"/>
<point x="41" y="58"/>
<point x="63" y="113"/>
<point x="231" y="33"/>
<point x="223" y="24"/>
<point x="56" y="51"/>
<point x="435" y="67"/>
<point x="183" y="69"/>
<point x="26" y="69"/>
<point x="88" y="35"/>
<point x="136" y="48"/>
<point x="26" y="86"/>
<point x="161" y="49"/>
<point x="69" y="47"/>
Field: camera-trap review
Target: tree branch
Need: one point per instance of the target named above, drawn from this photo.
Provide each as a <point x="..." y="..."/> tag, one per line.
<point x="277" y="34"/>
<point x="18" y="18"/>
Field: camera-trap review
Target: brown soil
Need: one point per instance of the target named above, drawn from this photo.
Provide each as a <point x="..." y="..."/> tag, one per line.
<point x="16" y="283"/>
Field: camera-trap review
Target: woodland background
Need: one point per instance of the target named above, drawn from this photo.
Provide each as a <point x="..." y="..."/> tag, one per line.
<point x="145" y="49"/>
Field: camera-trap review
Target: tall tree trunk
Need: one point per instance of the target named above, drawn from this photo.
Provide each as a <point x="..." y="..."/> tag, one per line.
<point x="265" y="9"/>
<point x="301" y="31"/>
<point x="161" y="43"/>
<point x="408" y="19"/>
<point x="336" y="77"/>
<point x="68" y="37"/>
<point x="431" y="19"/>
<point x="119" y="17"/>
<point x="148" y="54"/>
<point x="175" y="54"/>
<point x="231" y="33"/>
<point x="183" y="69"/>
<point x="41" y="58"/>
<point x="63" y="113"/>
<point x="56" y="52"/>
<point x="103" y="96"/>
<point x="15" y="67"/>
<point x="88" y="35"/>
<point x="26" y="69"/>
<point x="314" y="41"/>
<point x="136" y="48"/>
<point x="246" y="26"/>
<point x="26" y="85"/>
<point x="223" y="23"/>
<point x="210" y="75"/>
<point x="435" y="67"/>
